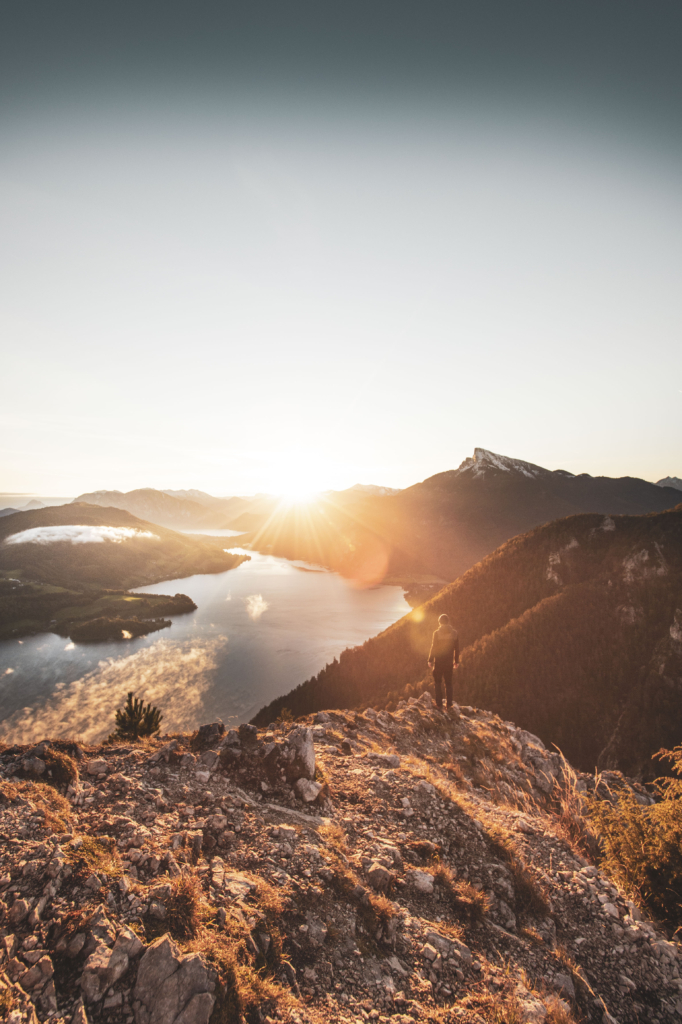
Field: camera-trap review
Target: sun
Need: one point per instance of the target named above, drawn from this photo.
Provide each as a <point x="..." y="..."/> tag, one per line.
<point x="298" y="480"/>
<point x="299" y="495"/>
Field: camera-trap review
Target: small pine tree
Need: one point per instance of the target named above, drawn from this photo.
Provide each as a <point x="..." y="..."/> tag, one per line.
<point x="134" y="720"/>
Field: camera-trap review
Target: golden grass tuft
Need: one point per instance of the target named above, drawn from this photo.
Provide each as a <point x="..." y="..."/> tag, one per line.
<point x="7" y="1001"/>
<point x="98" y="856"/>
<point x="184" y="907"/>
<point x="462" y="895"/>
<point x="573" y="821"/>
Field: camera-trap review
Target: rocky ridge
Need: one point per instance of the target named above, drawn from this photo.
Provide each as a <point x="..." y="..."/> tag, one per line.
<point x="399" y="867"/>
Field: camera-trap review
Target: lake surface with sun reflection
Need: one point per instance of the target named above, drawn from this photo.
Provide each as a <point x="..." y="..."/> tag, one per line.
<point x="258" y="631"/>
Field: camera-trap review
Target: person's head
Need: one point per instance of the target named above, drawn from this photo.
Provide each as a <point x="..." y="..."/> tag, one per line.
<point x="443" y="620"/>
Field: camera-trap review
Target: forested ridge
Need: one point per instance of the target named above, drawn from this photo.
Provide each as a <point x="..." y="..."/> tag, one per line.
<point x="573" y="630"/>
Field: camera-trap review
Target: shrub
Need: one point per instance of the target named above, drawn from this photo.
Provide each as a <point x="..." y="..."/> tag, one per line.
<point x="135" y="721"/>
<point x="60" y="768"/>
<point x="642" y="846"/>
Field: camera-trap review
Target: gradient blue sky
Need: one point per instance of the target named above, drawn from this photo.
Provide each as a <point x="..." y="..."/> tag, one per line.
<point x="249" y="247"/>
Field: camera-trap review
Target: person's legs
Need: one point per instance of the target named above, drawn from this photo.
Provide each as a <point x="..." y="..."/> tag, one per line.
<point x="447" y="677"/>
<point x="437" y="678"/>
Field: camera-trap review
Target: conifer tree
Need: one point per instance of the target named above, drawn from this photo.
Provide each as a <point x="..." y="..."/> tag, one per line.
<point x="134" y="720"/>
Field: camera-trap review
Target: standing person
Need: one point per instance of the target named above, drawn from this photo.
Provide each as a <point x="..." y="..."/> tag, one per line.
<point x="443" y="658"/>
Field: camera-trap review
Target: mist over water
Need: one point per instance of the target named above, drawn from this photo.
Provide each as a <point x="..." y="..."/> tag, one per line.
<point x="259" y="630"/>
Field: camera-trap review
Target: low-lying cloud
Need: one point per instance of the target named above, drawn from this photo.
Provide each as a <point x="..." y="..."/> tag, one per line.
<point x="79" y="535"/>
<point x="255" y="606"/>
<point x="174" y="676"/>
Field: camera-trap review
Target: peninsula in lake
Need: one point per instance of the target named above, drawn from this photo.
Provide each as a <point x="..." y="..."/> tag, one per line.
<point x="65" y="567"/>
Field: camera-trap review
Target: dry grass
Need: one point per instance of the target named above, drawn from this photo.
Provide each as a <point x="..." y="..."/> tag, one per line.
<point x="243" y="991"/>
<point x="333" y="836"/>
<point x="42" y="799"/>
<point x="463" y="897"/>
<point x="572" y="822"/>
<point x="502" y="1008"/>
<point x="184" y="907"/>
<point x="557" y="1012"/>
<point x="530" y="897"/>
<point x="97" y="856"/>
<point x="6" y="1001"/>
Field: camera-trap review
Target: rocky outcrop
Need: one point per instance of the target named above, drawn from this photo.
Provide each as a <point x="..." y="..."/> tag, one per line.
<point x="429" y="879"/>
<point x="171" y="987"/>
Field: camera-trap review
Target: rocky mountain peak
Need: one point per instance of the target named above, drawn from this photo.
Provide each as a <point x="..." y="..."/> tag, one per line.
<point x="670" y="481"/>
<point x="392" y="867"/>
<point x="484" y="460"/>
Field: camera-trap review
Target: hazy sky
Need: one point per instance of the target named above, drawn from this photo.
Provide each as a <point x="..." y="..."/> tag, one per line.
<point x="251" y="244"/>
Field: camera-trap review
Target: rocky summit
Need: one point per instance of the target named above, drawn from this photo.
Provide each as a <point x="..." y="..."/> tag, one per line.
<point x="398" y="867"/>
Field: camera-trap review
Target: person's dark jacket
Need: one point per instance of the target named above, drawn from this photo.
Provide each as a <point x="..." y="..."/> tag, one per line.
<point x="445" y="644"/>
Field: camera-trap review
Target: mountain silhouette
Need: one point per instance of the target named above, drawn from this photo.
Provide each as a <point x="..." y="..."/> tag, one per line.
<point x="447" y="523"/>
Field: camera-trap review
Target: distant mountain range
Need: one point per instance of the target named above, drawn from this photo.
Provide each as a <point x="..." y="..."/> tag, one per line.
<point x="450" y="521"/>
<point x="173" y="510"/>
<point x="439" y="527"/>
<point x="573" y="630"/>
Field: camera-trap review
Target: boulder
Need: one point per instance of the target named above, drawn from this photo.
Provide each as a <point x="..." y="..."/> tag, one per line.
<point x="102" y="969"/>
<point x="563" y="984"/>
<point x="379" y="877"/>
<point x="172" y="988"/>
<point x="300" y="742"/>
<point x="209" y="735"/>
<point x="248" y="734"/>
<point x="307" y="790"/>
<point x="317" y="930"/>
<point x="19" y="912"/>
<point x="237" y="885"/>
<point x="97" y="766"/>
<point x="422" y="881"/>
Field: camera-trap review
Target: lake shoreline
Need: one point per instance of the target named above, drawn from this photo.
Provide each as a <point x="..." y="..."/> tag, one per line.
<point x="258" y="631"/>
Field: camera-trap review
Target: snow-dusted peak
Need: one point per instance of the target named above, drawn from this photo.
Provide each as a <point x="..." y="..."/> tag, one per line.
<point x="670" y="481"/>
<point x="484" y="460"/>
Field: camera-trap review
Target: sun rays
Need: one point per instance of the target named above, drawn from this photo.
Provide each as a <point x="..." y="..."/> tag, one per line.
<point x="324" y="530"/>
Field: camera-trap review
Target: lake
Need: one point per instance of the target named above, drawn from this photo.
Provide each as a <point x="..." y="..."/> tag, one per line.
<point x="259" y="630"/>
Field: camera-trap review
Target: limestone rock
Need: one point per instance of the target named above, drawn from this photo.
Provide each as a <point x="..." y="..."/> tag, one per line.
<point x="102" y="969"/>
<point x="300" y="741"/>
<point x="210" y="735"/>
<point x="171" y="988"/>
<point x="379" y="877"/>
<point x="307" y="790"/>
<point x="79" y="1014"/>
<point x="422" y="881"/>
